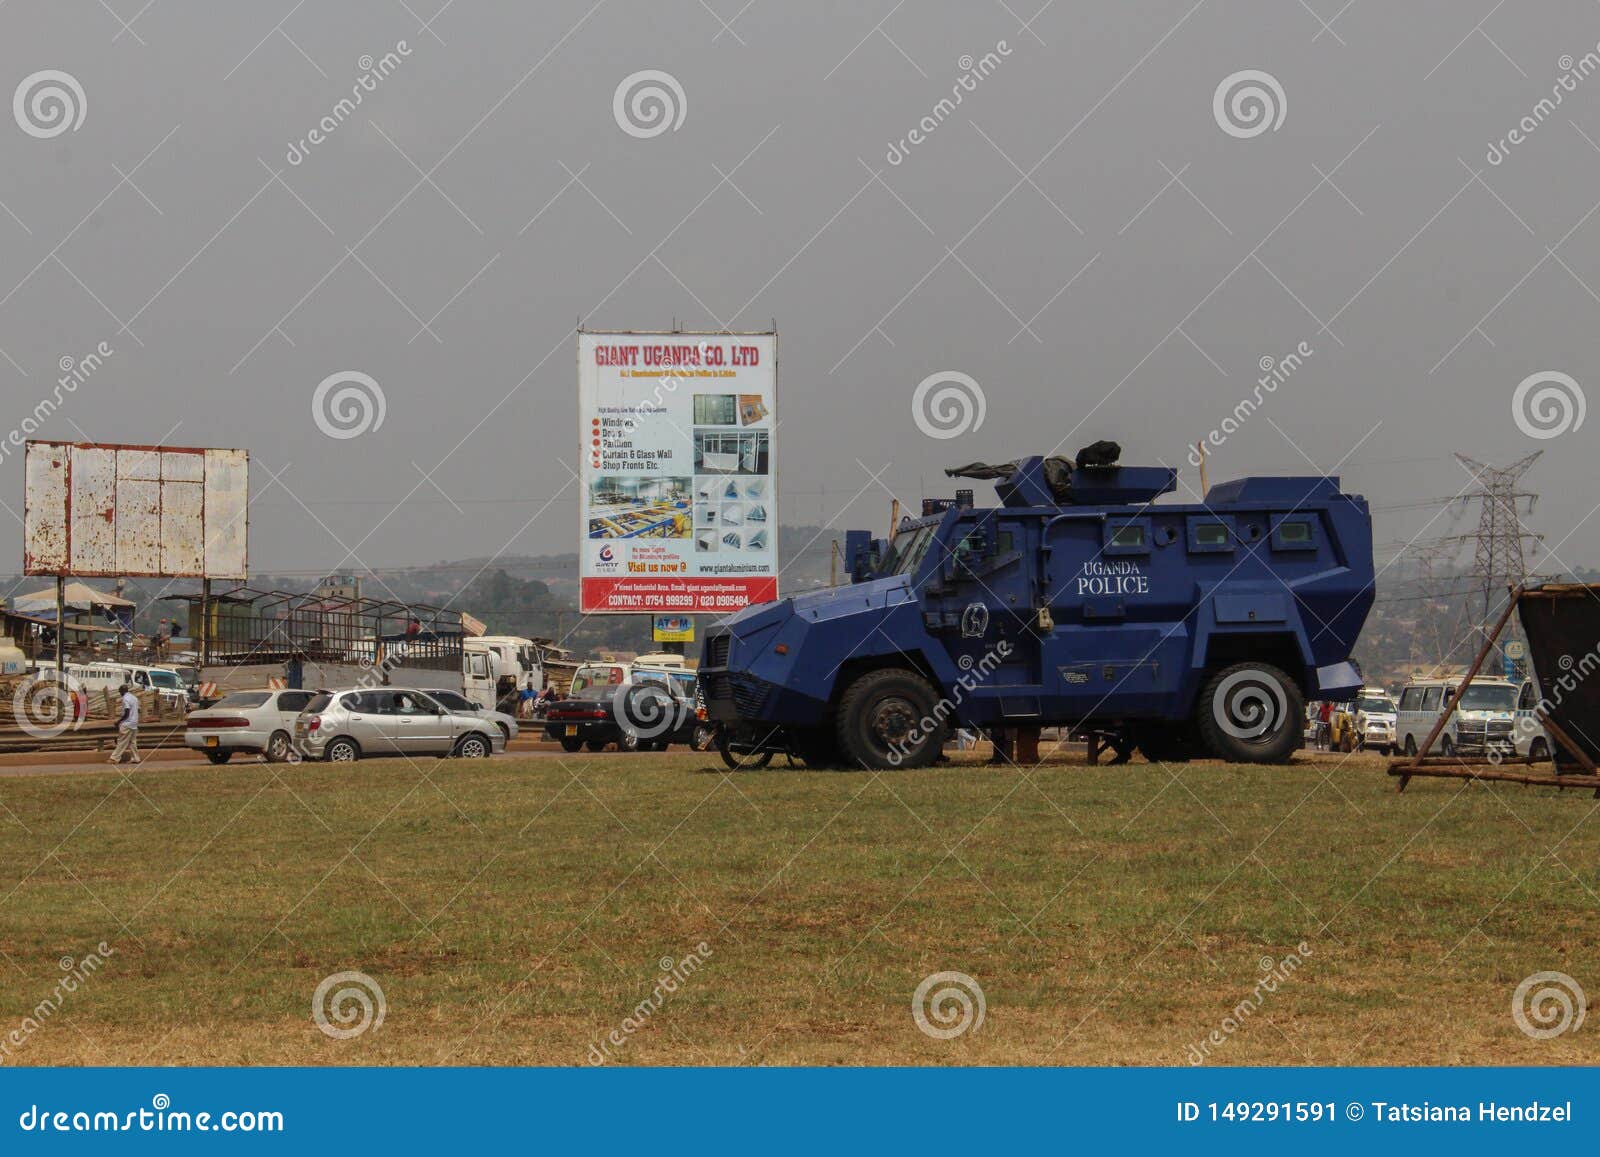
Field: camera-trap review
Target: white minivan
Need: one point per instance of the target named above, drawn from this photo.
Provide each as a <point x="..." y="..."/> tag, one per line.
<point x="1529" y="735"/>
<point x="1483" y="721"/>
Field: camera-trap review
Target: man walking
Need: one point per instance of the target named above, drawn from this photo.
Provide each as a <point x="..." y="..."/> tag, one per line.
<point x="127" y="728"/>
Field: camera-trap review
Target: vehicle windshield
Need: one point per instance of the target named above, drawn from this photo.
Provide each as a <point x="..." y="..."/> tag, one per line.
<point x="589" y="677"/>
<point x="1377" y="705"/>
<point x="240" y="700"/>
<point x="1488" y="697"/>
<point x="168" y="679"/>
<point x="908" y="547"/>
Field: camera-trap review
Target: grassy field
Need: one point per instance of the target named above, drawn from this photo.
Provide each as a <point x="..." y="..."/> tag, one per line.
<point x="518" y="911"/>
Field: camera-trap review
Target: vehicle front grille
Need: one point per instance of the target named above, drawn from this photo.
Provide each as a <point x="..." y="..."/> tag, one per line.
<point x="716" y="650"/>
<point x="749" y="697"/>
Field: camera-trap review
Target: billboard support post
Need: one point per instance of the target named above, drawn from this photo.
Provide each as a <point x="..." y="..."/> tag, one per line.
<point x="205" y="625"/>
<point x="61" y="629"/>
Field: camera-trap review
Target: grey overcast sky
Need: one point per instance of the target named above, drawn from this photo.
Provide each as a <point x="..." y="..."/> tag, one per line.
<point x="1081" y="235"/>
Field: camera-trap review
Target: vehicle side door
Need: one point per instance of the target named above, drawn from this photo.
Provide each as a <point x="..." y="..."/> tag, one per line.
<point x="420" y="724"/>
<point x="1431" y="698"/>
<point x="372" y="722"/>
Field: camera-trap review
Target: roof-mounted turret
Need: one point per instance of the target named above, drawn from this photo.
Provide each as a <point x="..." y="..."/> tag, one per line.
<point x="1054" y="481"/>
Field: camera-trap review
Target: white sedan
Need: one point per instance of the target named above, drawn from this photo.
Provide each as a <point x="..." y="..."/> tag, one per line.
<point x="252" y="722"/>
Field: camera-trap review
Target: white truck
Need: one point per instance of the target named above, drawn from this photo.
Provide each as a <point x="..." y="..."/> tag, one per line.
<point x="494" y="667"/>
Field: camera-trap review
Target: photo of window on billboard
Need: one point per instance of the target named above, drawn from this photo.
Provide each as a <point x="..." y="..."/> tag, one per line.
<point x="732" y="452"/>
<point x="640" y="507"/>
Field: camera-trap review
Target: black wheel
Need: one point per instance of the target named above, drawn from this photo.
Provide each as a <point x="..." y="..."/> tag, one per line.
<point x="1447" y="747"/>
<point x="218" y="755"/>
<point x="342" y="751"/>
<point x="886" y="720"/>
<point x="744" y="760"/>
<point x="571" y="745"/>
<point x="595" y="744"/>
<point x="473" y="746"/>
<point x="1250" y="713"/>
<point x="278" y="747"/>
<point x="1539" y="750"/>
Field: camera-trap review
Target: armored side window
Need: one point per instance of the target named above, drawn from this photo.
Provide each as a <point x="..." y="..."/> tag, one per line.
<point x="1127" y="536"/>
<point x="1210" y="535"/>
<point x="1293" y="533"/>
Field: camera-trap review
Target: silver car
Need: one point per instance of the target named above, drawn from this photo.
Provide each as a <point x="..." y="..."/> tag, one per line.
<point x="341" y="726"/>
<point x="249" y="722"/>
<point x="456" y="701"/>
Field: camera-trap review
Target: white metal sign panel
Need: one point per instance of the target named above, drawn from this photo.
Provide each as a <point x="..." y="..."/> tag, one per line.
<point x="136" y="511"/>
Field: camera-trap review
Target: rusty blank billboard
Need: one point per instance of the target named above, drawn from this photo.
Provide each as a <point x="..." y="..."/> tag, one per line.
<point x="100" y="510"/>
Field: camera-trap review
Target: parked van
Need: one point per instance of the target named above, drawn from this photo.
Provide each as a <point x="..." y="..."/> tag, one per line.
<point x="1484" y="720"/>
<point x="1529" y="734"/>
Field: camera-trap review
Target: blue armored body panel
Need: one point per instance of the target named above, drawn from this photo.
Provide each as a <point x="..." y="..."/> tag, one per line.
<point x="1182" y="628"/>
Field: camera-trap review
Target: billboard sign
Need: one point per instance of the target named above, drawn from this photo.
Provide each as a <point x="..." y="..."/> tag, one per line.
<point x="678" y="510"/>
<point x="673" y="629"/>
<point x="101" y="510"/>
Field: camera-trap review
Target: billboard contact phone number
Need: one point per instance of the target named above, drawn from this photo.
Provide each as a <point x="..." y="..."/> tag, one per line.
<point x="1247" y="1112"/>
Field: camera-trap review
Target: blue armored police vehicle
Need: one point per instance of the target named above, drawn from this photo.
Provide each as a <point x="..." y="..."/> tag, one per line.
<point x="1184" y="629"/>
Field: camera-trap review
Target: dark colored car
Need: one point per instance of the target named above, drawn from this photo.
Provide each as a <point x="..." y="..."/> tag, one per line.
<point x="638" y="709"/>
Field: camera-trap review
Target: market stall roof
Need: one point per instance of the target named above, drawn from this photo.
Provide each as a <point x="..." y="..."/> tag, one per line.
<point x="80" y="597"/>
